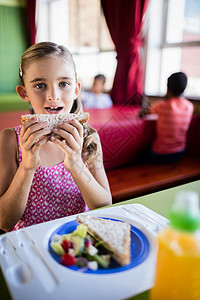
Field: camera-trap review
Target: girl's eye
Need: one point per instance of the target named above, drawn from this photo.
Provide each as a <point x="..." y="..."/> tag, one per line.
<point x="63" y="84"/>
<point x="40" y="85"/>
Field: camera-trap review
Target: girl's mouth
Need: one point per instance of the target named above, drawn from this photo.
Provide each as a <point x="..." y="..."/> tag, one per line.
<point x="54" y="110"/>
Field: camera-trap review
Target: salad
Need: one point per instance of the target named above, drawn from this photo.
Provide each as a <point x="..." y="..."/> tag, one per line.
<point x="81" y="249"/>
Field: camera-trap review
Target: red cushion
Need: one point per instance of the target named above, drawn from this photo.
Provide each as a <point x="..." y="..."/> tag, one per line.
<point x="123" y="135"/>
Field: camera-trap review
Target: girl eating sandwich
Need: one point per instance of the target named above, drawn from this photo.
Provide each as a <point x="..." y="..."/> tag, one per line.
<point x="44" y="177"/>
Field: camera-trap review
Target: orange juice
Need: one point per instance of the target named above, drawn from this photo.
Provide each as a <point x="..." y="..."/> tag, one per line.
<point x="178" y="266"/>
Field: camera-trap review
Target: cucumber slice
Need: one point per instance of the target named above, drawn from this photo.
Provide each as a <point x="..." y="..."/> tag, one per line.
<point x="101" y="261"/>
<point x="78" y="244"/>
<point x="56" y="246"/>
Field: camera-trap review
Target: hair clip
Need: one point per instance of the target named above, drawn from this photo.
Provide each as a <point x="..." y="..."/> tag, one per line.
<point x="20" y="71"/>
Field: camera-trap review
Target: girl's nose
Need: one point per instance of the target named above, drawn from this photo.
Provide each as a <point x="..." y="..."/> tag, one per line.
<point x="53" y="95"/>
<point x="50" y="98"/>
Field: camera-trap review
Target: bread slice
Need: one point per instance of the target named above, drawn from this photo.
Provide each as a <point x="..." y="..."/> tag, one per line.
<point x="114" y="234"/>
<point x="54" y="119"/>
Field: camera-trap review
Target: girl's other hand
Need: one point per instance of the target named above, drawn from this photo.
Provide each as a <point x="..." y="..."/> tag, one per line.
<point x="71" y="143"/>
<point x="33" y="135"/>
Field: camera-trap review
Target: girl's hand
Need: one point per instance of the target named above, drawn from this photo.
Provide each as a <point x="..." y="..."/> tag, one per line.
<point x="33" y="135"/>
<point x="71" y="143"/>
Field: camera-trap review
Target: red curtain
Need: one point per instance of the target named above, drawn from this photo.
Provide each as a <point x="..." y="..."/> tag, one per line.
<point x="31" y="10"/>
<point x="124" y="20"/>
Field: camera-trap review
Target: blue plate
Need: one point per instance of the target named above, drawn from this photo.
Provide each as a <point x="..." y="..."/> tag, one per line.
<point x="140" y="247"/>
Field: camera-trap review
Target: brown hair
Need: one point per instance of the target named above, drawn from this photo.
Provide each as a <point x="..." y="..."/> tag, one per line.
<point x="49" y="49"/>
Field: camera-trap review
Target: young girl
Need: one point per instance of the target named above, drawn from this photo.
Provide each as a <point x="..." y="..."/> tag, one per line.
<point x="43" y="178"/>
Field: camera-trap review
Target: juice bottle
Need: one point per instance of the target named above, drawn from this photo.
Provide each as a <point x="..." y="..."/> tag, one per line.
<point x="178" y="262"/>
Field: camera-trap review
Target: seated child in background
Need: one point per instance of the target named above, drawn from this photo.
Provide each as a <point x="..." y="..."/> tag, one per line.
<point x="42" y="177"/>
<point x="96" y="98"/>
<point x="174" y="117"/>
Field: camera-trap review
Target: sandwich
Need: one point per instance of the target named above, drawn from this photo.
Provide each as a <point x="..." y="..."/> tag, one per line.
<point x="115" y="236"/>
<point x="54" y="119"/>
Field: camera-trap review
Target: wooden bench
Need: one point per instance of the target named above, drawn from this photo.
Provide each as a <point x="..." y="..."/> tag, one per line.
<point x="137" y="180"/>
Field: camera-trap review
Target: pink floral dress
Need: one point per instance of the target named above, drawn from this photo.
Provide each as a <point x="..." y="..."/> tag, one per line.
<point x="53" y="194"/>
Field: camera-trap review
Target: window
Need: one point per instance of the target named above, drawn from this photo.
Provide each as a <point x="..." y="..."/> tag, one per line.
<point x="81" y="27"/>
<point x="173" y="44"/>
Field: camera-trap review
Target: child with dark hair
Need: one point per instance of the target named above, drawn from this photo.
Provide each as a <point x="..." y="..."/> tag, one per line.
<point x="176" y="84"/>
<point x="174" y="117"/>
<point x="96" y="97"/>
